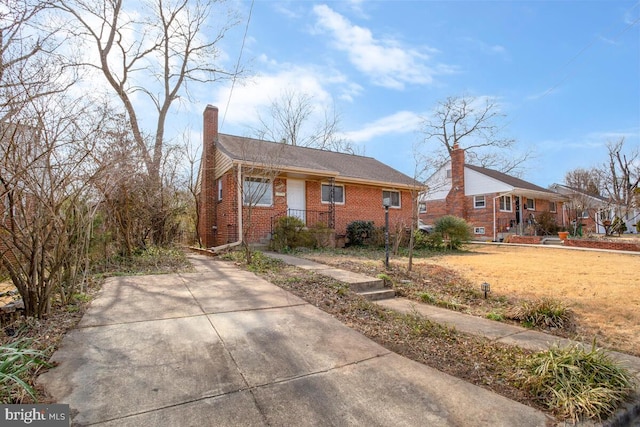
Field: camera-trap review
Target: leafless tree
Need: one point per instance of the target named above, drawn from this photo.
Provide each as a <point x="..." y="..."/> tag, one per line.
<point x="30" y="66"/>
<point x="292" y="119"/>
<point x="620" y="177"/>
<point x="153" y="54"/>
<point x="585" y="180"/>
<point x="49" y="205"/>
<point x="472" y="124"/>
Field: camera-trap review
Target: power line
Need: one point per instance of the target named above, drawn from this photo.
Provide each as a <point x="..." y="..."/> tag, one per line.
<point x="235" y="74"/>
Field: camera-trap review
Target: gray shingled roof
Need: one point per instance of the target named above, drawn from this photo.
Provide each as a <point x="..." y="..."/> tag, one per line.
<point x="508" y="179"/>
<point x="288" y="157"/>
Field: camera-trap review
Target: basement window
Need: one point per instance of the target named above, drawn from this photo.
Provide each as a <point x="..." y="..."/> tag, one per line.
<point x="478" y="230"/>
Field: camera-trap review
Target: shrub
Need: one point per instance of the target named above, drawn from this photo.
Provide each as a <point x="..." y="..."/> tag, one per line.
<point x="432" y="241"/>
<point x="545" y="313"/>
<point x="546" y="223"/>
<point x="290" y="233"/>
<point x="577" y="383"/>
<point x="359" y="231"/>
<point x="454" y="230"/>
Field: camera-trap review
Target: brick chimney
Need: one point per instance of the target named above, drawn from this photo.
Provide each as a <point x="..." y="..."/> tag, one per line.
<point x="208" y="187"/>
<point x="456" y="201"/>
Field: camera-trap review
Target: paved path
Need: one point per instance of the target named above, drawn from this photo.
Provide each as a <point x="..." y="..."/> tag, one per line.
<point x="223" y="347"/>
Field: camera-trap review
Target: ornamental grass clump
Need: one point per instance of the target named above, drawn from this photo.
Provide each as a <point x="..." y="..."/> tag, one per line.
<point x="546" y="313"/>
<point x="17" y="360"/>
<point x="576" y="383"/>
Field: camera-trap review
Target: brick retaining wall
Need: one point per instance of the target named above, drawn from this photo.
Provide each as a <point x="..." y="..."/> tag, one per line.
<point x="603" y="244"/>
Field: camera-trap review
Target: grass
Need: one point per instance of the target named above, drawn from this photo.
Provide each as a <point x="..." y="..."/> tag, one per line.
<point x="18" y="362"/>
<point x="576" y="383"/>
<point x="545" y="313"/>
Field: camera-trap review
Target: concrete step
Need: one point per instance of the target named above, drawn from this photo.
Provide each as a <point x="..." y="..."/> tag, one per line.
<point x="552" y="241"/>
<point x="378" y="295"/>
<point x="366" y="285"/>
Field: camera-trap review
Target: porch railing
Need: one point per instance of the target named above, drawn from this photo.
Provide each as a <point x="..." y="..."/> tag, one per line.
<point x="310" y="218"/>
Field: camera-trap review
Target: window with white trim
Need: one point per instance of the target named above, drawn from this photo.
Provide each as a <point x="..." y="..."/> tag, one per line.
<point x="257" y="191"/>
<point x="338" y="194"/>
<point x="393" y="196"/>
<point x="530" y="205"/>
<point x="220" y="189"/>
<point x="479" y="202"/>
<point x="478" y="230"/>
<point x="422" y="207"/>
<point x="585" y="214"/>
<point x="553" y="207"/>
<point x="505" y="203"/>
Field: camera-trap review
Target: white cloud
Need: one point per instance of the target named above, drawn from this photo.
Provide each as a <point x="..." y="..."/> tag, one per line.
<point x="485" y="47"/>
<point x="251" y="97"/>
<point x="385" y="61"/>
<point x="400" y="122"/>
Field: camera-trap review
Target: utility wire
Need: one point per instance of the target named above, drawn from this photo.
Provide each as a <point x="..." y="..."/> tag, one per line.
<point x="235" y="74"/>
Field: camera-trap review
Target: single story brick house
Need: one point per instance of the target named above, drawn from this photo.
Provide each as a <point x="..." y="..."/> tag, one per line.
<point x="493" y="203"/>
<point x="246" y="184"/>
<point x="593" y="212"/>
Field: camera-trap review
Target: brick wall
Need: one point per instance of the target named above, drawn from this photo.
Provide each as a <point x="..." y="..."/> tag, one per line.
<point x="361" y="203"/>
<point x="602" y="244"/>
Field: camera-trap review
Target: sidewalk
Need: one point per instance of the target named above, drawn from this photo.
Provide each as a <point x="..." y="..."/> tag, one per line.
<point x="493" y="330"/>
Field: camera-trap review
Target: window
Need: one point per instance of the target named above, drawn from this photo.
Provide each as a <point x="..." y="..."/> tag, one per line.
<point x="479" y="202"/>
<point x="552" y="207"/>
<point x="478" y="230"/>
<point x="422" y="207"/>
<point x="338" y="194"/>
<point x="585" y="214"/>
<point x="220" y="189"/>
<point x="505" y="203"/>
<point x="448" y="173"/>
<point x="530" y="205"/>
<point x="257" y="192"/>
<point x="393" y="196"/>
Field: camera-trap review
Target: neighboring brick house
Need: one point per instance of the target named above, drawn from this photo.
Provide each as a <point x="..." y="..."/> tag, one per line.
<point x="493" y="203"/>
<point x="246" y="184"/>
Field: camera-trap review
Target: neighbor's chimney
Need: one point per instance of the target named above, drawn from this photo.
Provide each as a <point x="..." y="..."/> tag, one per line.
<point x="208" y="188"/>
<point x="456" y="197"/>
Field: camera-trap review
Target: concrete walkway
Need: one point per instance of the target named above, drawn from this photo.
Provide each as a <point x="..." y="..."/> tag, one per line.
<point x="223" y="347"/>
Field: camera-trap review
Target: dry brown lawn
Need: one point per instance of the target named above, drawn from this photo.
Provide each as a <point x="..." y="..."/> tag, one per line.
<point x="602" y="288"/>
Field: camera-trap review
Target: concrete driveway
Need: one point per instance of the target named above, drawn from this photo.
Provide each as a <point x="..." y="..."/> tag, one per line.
<point x="223" y="347"/>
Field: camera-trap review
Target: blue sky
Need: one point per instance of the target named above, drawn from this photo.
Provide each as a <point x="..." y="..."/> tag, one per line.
<point x="565" y="73"/>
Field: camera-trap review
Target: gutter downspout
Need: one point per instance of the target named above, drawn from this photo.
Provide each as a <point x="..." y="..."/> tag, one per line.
<point x="240" y="236"/>
<point x="495" y="236"/>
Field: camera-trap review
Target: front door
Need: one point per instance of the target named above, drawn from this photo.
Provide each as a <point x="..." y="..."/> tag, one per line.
<point x="296" y="199"/>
